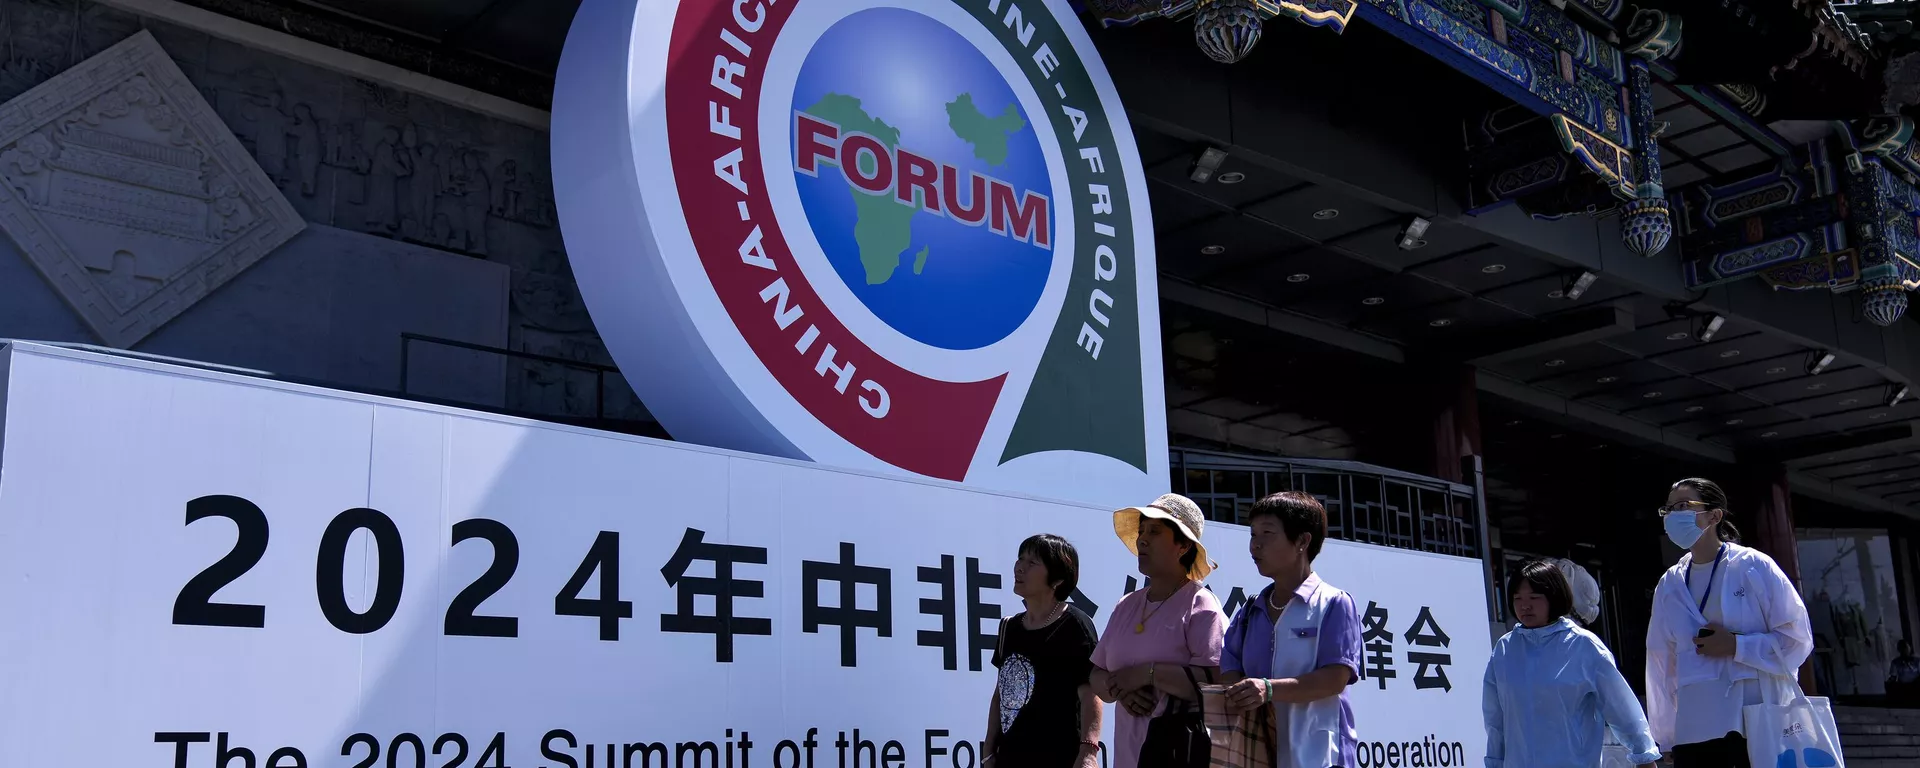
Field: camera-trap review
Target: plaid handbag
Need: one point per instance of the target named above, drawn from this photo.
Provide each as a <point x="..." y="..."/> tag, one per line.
<point x="1244" y="740"/>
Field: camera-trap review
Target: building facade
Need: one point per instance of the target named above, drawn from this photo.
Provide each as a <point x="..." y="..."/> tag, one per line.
<point x="1561" y="255"/>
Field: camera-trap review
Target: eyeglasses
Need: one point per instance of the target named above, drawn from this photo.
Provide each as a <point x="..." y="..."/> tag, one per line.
<point x="1691" y="507"/>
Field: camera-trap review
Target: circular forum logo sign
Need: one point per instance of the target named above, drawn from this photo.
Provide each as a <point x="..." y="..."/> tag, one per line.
<point x="902" y="234"/>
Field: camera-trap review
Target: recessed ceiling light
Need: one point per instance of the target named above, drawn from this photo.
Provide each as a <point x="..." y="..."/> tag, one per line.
<point x="1373" y="301"/>
<point x="1606" y="380"/>
<point x="1850" y="401"/>
<point x="1555" y="363"/>
<point x="1327" y="213"/>
<point x="1735" y="422"/>
<point x="1232" y="177"/>
<point x="1695" y="408"/>
<point x="1441" y="323"/>
<point x="1556" y="294"/>
<point x="1730" y="353"/>
<point x="1651" y="395"/>
<point x="1769" y="434"/>
<point x="1299" y="277"/>
<point x="1213" y="250"/>
<point x="1816" y="386"/>
<point x="1678" y="336"/>
<point x="1494" y="269"/>
<point x="1776" y="370"/>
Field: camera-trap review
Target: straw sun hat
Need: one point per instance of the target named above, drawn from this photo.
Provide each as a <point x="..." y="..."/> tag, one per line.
<point x="1173" y="508"/>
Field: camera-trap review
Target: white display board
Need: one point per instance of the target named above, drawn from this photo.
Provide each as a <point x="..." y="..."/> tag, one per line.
<point x="194" y="564"/>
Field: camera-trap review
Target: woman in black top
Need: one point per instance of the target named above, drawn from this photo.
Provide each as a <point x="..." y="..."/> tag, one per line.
<point x="1043" y="714"/>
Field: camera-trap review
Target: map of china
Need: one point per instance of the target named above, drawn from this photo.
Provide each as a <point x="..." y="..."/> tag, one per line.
<point x="883" y="228"/>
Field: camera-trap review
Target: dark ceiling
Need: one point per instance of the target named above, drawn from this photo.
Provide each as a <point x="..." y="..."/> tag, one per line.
<point x="1312" y="251"/>
<point x="1309" y="250"/>
<point x="1695" y="143"/>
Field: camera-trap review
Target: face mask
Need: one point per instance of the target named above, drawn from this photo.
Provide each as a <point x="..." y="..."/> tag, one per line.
<point x="1684" y="529"/>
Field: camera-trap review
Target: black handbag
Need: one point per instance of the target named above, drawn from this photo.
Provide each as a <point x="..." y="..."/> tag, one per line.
<point x="1178" y="738"/>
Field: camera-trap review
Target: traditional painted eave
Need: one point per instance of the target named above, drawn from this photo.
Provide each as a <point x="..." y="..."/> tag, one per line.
<point x="1835" y="35"/>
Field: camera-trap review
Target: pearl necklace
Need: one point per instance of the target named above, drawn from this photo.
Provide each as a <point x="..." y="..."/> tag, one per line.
<point x="1058" y="608"/>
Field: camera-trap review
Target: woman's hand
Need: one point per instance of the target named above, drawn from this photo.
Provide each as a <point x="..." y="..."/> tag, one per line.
<point x="1247" y="694"/>
<point x="1720" y="645"/>
<point x="1140" y="703"/>
<point x="1133" y="678"/>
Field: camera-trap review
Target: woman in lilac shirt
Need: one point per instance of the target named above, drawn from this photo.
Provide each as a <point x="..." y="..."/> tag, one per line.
<point x="1298" y="644"/>
<point x="1163" y="637"/>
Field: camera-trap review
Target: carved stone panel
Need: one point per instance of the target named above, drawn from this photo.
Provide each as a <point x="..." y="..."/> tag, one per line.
<point x="128" y="192"/>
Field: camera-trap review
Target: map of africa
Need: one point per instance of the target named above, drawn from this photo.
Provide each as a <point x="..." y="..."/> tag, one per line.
<point x="883" y="228"/>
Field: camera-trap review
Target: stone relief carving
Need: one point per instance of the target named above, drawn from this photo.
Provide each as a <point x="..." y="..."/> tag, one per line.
<point x="559" y="389"/>
<point x="129" y="194"/>
<point x="333" y="149"/>
<point x="386" y="167"/>
<point x="547" y="298"/>
<point x="306" y="148"/>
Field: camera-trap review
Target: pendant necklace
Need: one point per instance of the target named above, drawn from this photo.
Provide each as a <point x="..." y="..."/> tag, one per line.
<point x="1145" y="614"/>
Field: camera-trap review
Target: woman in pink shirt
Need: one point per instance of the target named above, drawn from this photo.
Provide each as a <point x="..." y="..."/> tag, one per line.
<point x="1162" y="638"/>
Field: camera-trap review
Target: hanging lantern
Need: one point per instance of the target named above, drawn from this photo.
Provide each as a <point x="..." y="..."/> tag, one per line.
<point x="1646" y="225"/>
<point x="1227" y="30"/>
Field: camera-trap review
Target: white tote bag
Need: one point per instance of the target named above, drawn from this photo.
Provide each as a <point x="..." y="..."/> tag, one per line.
<point x="1799" y="732"/>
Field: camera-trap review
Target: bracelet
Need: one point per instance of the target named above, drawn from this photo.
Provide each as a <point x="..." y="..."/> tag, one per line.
<point x="1149" y="674"/>
<point x="1266" y="690"/>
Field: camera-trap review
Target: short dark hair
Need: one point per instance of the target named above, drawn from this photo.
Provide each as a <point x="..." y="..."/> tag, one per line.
<point x="1546" y="579"/>
<point x="1193" y="547"/>
<point x="1060" y="558"/>
<point x="1299" y="513"/>
<point x="1711" y="495"/>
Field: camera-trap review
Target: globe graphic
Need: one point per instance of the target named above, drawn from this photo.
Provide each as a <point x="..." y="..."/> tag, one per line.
<point x="914" y="84"/>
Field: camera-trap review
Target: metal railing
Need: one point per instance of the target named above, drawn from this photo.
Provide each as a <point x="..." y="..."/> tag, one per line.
<point x="1365" y="503"/>
<point x="599" y="371"/>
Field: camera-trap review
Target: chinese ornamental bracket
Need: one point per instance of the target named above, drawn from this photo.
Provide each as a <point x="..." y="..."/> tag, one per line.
<point x="1598" y="96"/>
<point x="1227" y="30"/>
<point x="1646" y="220"/>
<point x="1884" y="214"/>
<point x="1841" y="214"/>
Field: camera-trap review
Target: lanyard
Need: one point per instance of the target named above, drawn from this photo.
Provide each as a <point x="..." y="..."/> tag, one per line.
<point x="1710" y="574"/>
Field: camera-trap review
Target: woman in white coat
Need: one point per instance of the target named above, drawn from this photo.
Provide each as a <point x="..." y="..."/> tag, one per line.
<point x="1728" y="630"/>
